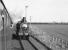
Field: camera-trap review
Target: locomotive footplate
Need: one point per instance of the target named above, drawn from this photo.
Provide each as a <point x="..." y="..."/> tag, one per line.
<point x="22" y="37"/>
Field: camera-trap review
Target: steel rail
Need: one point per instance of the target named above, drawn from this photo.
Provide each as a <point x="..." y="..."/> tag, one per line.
<point x="48" y="48"/>
<point x="20" y="42"/>
<point x="32" y="44"/>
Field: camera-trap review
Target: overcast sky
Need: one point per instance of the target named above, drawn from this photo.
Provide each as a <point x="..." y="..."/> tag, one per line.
<point x="40" y="10"/>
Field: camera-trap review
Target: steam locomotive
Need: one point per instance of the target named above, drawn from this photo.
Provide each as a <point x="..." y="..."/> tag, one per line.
<point x="24" y="27"/>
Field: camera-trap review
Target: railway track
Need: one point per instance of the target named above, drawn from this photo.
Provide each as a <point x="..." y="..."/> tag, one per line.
<point x="38" y="41"/>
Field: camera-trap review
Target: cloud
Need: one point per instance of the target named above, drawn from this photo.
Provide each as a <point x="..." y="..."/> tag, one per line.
<point x="41" y="10"/>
